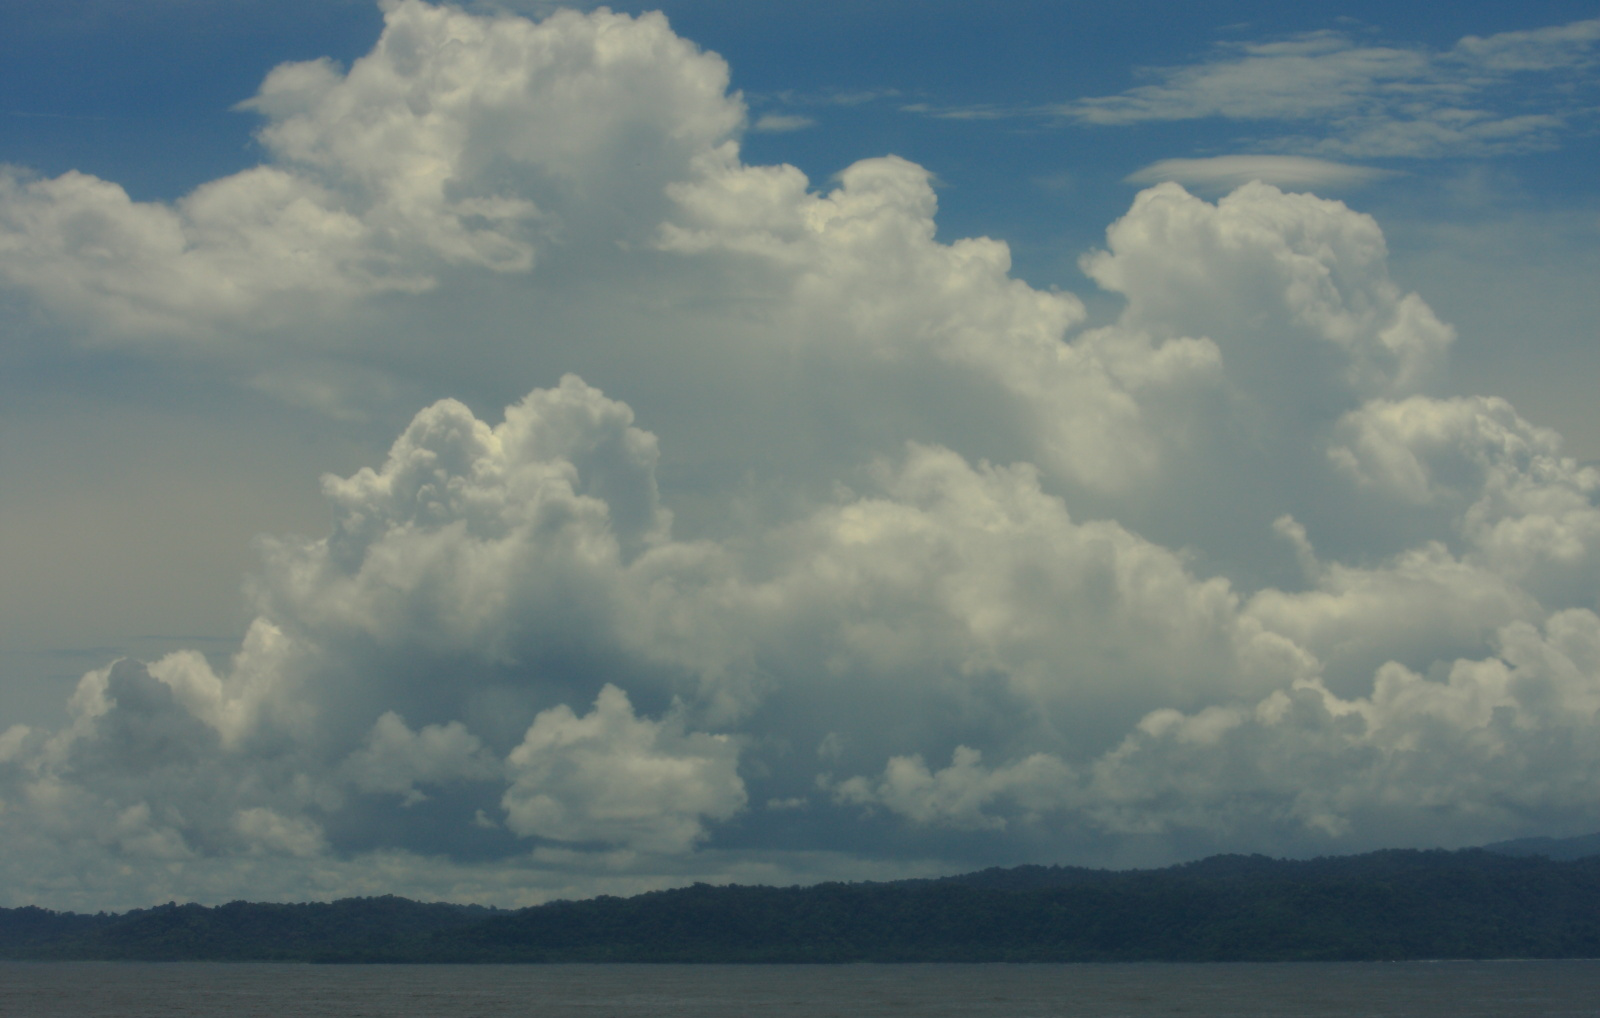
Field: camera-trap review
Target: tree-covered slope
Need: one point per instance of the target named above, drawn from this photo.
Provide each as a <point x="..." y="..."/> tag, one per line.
<point x="355" y="929"/>
<point x="1383" y="905"/>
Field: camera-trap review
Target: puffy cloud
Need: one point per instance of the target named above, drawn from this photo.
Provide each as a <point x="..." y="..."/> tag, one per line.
<point x="468" y="529"/>
<point x="1424" y="605"/>
<point x="458" y="141"/>
<point x="268" y="832"/>
<point x="1224" y="570"/>
<point x="396" y="758"/>
<point x="1312" y="269"/>
<point x="1481" y="748"/>
<point x="965" y="590"/>
<point x="1478" y="748"/>
<point x="455" y="128"/>
<point x="93" y="255"/>
<point x="1525" y="512"/>
<point x="861" y="275"/>
<point x="140" y="775"/>
<point x="489" y="554"/>
<point x="616" y="778"/>
<point x="976" y="575"/>
<point x="484" y="547"/>
<point x="956" y="795"/>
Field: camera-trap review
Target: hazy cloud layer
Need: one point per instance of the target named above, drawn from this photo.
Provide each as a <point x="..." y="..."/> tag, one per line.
<point x="1224" y="173"/>
<point x="819" y="545"/>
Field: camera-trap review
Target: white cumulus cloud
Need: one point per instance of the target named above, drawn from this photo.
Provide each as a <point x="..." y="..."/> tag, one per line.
<point x="798" y="502"/>
<point x="612" y="777"/>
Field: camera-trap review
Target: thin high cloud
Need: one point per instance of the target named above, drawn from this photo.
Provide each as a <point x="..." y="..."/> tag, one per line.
<point x="814" y="545"/>
<point x="1366" y="101"/>
<point x="778" y="123"/>
<point x="1328" y="95"/>
<point x="1224" y="173"/>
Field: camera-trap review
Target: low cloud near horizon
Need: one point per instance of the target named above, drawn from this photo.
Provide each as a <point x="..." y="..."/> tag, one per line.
<point x="815" y="545"/>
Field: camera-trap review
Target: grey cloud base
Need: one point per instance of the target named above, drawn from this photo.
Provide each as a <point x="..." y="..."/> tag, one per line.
<point x="887" y="563"/>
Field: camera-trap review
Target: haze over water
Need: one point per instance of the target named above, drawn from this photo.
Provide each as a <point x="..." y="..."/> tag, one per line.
<point x="1318" y="990"/>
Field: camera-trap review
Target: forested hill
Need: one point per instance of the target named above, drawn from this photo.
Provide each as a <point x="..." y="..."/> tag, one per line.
<point x="1383" y="905"/>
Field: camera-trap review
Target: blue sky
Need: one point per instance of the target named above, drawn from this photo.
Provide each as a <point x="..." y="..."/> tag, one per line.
<point x="938" y="436"/>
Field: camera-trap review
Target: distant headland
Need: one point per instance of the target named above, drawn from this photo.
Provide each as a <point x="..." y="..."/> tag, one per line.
<point x="1537" y="898"/>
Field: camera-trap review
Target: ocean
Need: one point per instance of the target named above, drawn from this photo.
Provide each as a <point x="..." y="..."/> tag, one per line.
<point x="1313" y="990"/>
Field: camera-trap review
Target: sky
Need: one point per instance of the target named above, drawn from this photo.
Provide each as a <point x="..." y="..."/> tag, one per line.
<point x="509" y="452"/>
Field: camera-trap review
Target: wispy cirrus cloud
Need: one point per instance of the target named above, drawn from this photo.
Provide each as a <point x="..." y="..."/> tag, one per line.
<point x="1510" y="92"/>
<point x="791" y="110"/>
<point x="1572" y="46"/>
<point x="778" y="123"/>
<point x="1486" y="95"/>
<point x="1224" y="173"/>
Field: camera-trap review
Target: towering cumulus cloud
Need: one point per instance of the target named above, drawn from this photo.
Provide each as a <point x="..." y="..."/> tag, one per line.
<point x="818" y="546"/>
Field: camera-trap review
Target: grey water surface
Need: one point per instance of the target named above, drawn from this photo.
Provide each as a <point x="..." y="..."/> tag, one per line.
<point x="1316" y="990"/>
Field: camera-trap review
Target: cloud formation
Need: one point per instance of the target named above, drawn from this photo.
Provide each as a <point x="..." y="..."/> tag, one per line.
<point x="1376" y="101"/>
<point x="819" y="545"/>
<point x="610" y="777"/>
<point x="1224" y="173"/>
<point x="459" y="141"/>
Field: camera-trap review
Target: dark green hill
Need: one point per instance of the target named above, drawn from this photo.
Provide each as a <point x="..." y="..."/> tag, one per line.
<point x="1383" y="905"/>
<point x="1386" y="905"/>
<point x="355" y="929"/>
<point x="1580" y="847"/>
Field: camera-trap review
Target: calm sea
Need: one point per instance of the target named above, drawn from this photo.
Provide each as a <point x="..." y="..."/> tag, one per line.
<point x="1455" y="989"/>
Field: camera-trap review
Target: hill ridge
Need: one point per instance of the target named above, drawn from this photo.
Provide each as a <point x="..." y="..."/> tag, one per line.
<point x="1392" y="904"/>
